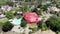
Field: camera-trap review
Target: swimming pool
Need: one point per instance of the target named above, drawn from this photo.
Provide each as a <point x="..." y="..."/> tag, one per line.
<point x="16" y="21"/>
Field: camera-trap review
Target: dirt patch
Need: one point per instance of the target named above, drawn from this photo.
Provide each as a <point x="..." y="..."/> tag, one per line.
<point x="45" y="32"/>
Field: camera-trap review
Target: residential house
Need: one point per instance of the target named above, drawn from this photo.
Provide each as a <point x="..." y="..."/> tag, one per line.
<point x="6" y="8"/>
<point x="53" y="8"/>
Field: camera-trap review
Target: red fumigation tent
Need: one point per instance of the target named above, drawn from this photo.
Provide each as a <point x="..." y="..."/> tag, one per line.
<point x="30" y="17"/>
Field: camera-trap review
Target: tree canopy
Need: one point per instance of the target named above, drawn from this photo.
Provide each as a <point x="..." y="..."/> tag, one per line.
<point x="53" y="23"/>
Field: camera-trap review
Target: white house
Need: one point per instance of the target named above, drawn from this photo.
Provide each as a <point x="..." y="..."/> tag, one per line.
<point x="6" y="8"/>
<point x="53" y="8"/>
<point x="2" y="16"/>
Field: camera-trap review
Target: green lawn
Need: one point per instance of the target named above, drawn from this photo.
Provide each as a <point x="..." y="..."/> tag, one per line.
<point x="3" y="21"/>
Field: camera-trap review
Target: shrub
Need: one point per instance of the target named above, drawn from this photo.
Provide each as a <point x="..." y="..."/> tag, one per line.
<point x="53" y="12"/>
<point x="58" y="5"/>
<point x="44" y="8"/>
<point x="53" y="23"/>
<point x="19" y="16"/>
<point x="42" y="25"/>
<point x="33" y="27"/>
<point x="24" y="8"/>
<point x="39" y="12"/>
<point x="39" y="24"/>
<point x="7" y="26"/>
<point x="23" y="23"/>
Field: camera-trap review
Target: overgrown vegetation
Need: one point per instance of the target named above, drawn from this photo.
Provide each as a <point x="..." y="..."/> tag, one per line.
<point x="7" y="26"/>
<point x="41" y="25"/>
<point x="9" y="14"/>
<point x="33" y="27"/>
<point x="53" y="23"/>
<point x="3" y="2"/>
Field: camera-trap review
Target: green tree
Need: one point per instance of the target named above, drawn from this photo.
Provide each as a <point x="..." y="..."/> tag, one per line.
<point x="24" y="8"/>
<point x="58" y="4"/>
<point x="3" y="2"/>
<point x="7" y="26"/>
<point x="33" y="27"/>
<point x="53" y="23"/>
<point x="9" y="14"/>
<point x="42" y="25"/>
<point x="23" y="23"/>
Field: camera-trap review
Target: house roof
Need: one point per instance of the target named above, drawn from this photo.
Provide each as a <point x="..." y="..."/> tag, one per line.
<point x="31" y="18"/>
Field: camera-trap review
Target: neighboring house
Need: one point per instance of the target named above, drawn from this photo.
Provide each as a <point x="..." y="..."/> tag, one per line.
<point x="14" y="0"/>
<point x="2" y="16"/>
<point x="6" y="8"/>
<point x="53" y="8"/>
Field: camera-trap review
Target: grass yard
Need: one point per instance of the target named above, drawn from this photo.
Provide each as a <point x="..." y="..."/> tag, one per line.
<point x="3" y="21"/>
